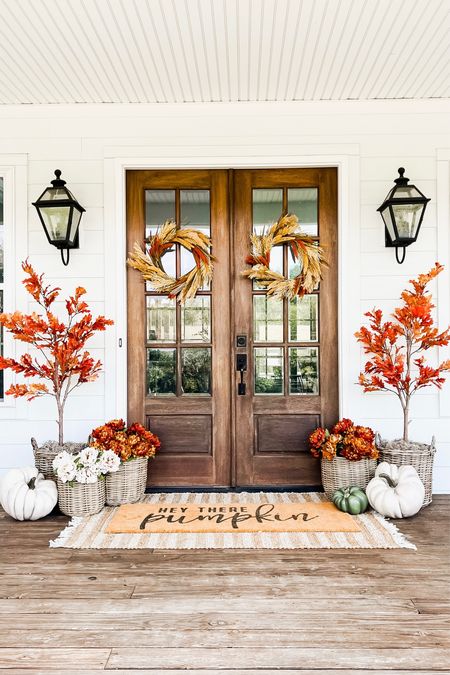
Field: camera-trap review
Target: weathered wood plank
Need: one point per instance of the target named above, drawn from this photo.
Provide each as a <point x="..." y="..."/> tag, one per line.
<point x="376" y="605"/>
<point x="288" y="657"/>
<point x="49" y="659"/>
<point x="410" y="623"/>
<point x="177" y="637"/>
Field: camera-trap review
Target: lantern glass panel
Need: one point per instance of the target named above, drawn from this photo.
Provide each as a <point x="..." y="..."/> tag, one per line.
<point x="76" y="216"/>
<point x="407" y="218"/>
<point x="386" y="215"/>
<point x="54" y="194"/>
<point x="56" y="221"/>
<point x="407" y="192"/>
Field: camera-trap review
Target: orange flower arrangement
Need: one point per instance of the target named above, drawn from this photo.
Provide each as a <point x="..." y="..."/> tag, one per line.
<point x="346" y="439"/>
<point x="127" y="442"/>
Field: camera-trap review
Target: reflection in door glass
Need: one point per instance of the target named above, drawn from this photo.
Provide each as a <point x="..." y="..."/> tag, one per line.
<point x="161" y="319"/>
<point x="196" y="370"/>
<point x="195" y="209"/>
<point x="268" y="370"/>
<point x="161" y="371"/>
<point x="267" y="319"/>
<point x="303" y="202"/>
<point x="196" y="319"/>
<point x="304" y="370"/>
<point x="303" y="319"/>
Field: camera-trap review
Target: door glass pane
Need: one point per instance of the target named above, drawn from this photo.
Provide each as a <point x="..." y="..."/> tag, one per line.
<point x="161" y="319"/>
<point x="267" y="319"/>
<point x="196" y="319"/>
<point x="159" y="207"/>
<point x="195" y="213"/>
<point x="161" y="371"/>
<point x="268" y="370"/>
<point x="303" y="319"/>
<point x="196" y="370"/>
<point x="195" y="210"/>
<point x="304" y="370"/>
<point x="267" y="209"/>
<point x="303" y="202"/>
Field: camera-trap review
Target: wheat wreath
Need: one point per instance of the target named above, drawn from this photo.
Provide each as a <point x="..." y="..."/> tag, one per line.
<point x="304" y="249"/>
<point x="149" y="263"/>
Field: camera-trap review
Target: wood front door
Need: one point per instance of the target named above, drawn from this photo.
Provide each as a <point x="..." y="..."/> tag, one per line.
<point x="292" y="371"/>
<point x="183" y="361"/>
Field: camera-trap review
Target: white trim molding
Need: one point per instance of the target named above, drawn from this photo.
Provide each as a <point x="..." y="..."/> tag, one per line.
<point x="118" y="161"/>
<point x="13" y="170"/>
<point x="443" y="247"/>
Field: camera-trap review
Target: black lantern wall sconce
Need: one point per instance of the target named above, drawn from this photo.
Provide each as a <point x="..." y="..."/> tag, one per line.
<point x="402" y="212"/>
<point x="60" y="215"/>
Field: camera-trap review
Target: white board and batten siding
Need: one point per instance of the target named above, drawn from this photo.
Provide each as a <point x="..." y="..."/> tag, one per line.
<point x="91" y="143"/>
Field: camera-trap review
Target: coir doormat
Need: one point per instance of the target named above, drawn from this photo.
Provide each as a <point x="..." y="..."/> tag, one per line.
<point x="297" y="525"/>
<point x="265" y="516"/>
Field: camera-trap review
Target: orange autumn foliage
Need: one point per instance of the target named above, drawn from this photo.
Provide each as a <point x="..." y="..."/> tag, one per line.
<point x="395" y="347"/>
<point x="62" y="360"/>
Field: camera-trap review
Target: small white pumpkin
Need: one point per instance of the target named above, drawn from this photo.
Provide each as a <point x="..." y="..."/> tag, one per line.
<point x="396" y="492"/>
<point x="26" y="495"/>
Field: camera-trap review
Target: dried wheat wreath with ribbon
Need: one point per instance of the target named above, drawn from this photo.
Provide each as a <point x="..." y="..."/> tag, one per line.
<point x="303" y="249"/>
<point x="150" y="264"/>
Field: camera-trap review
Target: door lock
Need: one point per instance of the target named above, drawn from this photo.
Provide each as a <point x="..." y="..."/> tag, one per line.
<point x="241" y="367"/>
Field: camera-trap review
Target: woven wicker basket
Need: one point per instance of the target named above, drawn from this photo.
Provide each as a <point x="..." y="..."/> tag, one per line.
<point x="342" y="473"/>
<point x="83" y="499"/>
<point x="44" y="455"/>
<point x="127" y="485"/>
<point x="418" y="455"/>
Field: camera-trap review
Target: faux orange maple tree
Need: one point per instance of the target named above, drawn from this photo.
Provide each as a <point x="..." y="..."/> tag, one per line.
<point x="64" y="362"/>
<point x="396" y="347"/>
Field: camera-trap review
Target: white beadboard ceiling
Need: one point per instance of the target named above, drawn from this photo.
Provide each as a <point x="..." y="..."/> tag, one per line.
<point x="173" y="51"/>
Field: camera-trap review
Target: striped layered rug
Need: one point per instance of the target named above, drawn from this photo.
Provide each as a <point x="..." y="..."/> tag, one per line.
<point x="211" y="525"/>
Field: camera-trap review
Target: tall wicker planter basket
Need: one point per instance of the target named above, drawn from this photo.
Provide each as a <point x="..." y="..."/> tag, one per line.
<point x="44" y="455"/>
<point x="82" y="499"/>
<point x="418" y="455"/>
<point x="127" y="485"/>
<point x="341" y="473"/>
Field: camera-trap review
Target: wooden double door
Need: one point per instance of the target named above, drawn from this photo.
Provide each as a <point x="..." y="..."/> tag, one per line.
<point x="186" y="362"/>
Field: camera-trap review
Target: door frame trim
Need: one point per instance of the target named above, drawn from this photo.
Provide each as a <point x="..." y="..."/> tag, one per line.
<point x="118" y="161"/>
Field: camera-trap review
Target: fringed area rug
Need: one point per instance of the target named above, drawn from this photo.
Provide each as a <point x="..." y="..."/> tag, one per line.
<point x="128" y="528"/>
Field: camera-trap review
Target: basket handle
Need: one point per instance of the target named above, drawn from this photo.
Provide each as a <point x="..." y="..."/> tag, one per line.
<point x="378" y="439"/>
<point x="34" y="445"/>
<point x="433" y="444"/>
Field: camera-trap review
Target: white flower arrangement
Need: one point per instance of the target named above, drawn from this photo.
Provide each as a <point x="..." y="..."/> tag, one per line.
<point x="87" y="466"/>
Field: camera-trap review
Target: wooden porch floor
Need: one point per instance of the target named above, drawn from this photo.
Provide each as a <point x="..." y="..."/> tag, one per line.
<point x="303" y="612"/>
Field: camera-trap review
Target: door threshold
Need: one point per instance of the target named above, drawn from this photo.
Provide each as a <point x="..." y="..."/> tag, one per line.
<point x="243" y="488"/>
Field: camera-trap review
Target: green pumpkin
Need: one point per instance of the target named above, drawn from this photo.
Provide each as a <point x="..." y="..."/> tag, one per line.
<point x="351" y="500"/>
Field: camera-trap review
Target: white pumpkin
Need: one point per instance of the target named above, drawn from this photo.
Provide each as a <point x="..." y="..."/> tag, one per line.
<point x="26" y="495"/>
<point x="396" y="492"/>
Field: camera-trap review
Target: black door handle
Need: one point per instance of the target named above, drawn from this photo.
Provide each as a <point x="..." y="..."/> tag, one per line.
<point x="241" y="367"/>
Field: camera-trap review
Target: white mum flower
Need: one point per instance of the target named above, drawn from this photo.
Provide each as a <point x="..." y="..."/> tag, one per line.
<point x="109" y="461"/>
<point x="88" y="456"/>
<point x="62" y="458"/>
<point x="66" y="471"/>
<point x="86" y="475"/>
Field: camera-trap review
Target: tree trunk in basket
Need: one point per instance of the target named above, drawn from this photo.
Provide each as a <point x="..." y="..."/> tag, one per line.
<point x="60" y="422"/>
<point x="406" y="422"/>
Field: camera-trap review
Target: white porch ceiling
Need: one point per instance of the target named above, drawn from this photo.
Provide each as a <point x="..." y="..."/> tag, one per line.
<point x="172" y="51"/>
